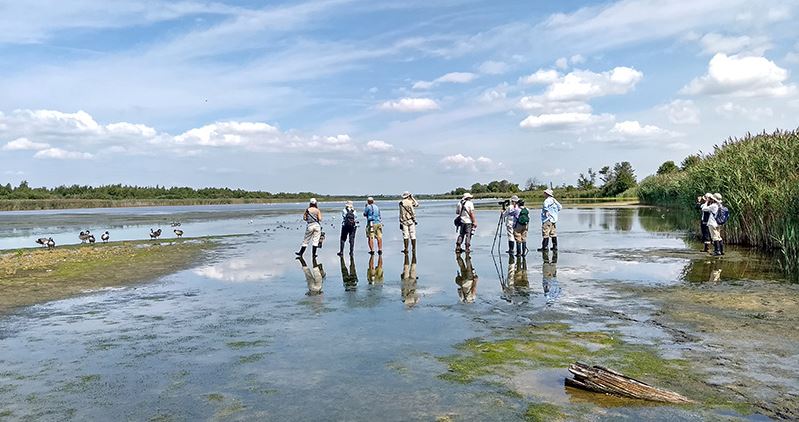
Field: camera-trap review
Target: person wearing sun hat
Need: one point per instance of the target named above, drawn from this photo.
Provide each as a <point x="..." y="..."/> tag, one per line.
<point x="313" y="230"/>
<point x="374" y="226"/>
<point x="349" y="225"/>
<point x="468" y="223"/>
<point x="702" y="200"/>
<point x="510" y="214"/>
<point x="712" y="206"/>
<point x="549" y="220"/>
<point x="407" y="220"/>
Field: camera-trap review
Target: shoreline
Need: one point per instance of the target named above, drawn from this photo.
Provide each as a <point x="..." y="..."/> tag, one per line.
<point x="35" y="275"/>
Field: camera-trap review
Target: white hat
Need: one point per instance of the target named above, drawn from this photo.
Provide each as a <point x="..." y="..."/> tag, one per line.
<point x="467" y="195"/>
<point x="370" y="199"/>
<point x="549" y="192"/>
<point x="349" y="204"/>
<point x="717" y="197"/>
<point x="313" y="201"/>
<point x="708" y="195"/>
<point x="406" y="194"/>
<point x="514" y="198"/>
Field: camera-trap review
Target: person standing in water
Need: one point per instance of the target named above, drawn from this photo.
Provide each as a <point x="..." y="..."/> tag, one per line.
<point x="313" y="230"/>
<point x="407" y="219"/>
<point x="700" y="201"/>
<point x="522" y="216"/>
<point x="374" y="226"/>
<point x="549" y="220"/>
<point x="466" y="223"/>
<point x="510" y="214"/>
<point x="349" y="225"/>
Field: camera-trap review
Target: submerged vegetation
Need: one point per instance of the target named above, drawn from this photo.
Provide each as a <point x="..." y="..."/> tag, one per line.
<point x="29" y="276"/>
<point x="758" y="178"/>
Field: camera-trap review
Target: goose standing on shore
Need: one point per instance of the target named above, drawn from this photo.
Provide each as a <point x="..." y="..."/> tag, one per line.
<point x="91" y="239"/>
<point x="50" y="243"/>
<point x="84" y="236"/>
<point x="42" y="241"/>
<point x="178" y="232"/>
<point x="155" y="233"/>
<point x="105" y="236"/>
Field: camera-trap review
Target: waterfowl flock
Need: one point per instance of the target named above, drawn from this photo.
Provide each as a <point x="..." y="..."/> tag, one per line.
<point x="86" y="236"/>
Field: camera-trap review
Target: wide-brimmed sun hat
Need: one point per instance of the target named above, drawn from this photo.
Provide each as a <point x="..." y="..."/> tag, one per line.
<point x="467" y="195"/>
<point x="549" y="192"/>
<point x="717" y="197"/>
<point x="349" y="204"/>
<point x="313" y="201"/>
<point x="406" y="194"/>
<point x="370" y="199"/>
<point x="708" y="195"/>
<point x="514" y="198"/>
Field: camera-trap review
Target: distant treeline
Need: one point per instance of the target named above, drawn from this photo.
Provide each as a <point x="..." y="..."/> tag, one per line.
<point x="128" y="192"/>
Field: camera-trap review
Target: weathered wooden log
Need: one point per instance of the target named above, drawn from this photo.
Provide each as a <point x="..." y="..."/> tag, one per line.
<point x="608" y="381"/>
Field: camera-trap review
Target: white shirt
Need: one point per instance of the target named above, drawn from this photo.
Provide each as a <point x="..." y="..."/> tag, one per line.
<point x="713" y="209"/>
<point x="465" y="209"/>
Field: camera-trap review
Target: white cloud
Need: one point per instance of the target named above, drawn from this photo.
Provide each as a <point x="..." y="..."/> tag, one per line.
<point x="61" y="154"/>
<point x="582" y="85"/>
<point x="562" y="63"/>
<point x="539" y="104"/>
<point x="561" y="120"/>
<point x="731" y="110"/>
<point x="379" y="146"/>
<point x="24" y="144"/>
<point x="713" y="43"/>
<point x="681" y="112"/>
<point x="231" y="134"/>
<point x="541" y="76"/>
<point x="468" y="163"/>
<point x="634" y="129"/>
<point x="741" y="77"/>
<point x="452" y="77"/>
<point x="499" y="92"/>
<point x="492" y="67"/>
<point x="577" y="59"/>
<point x="554" y="172"/>
<point x="410" y="105"/>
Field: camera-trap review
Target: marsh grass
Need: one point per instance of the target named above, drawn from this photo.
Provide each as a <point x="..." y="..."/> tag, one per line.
<point x="758" y="178"/>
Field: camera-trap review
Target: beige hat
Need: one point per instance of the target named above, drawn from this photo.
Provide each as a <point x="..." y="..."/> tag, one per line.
<point x="467" y="195"/>
<point x="406" y="194"/>
<point x="717" y="197"/>
<point x="370" y="199"/>
<point x="549" y="192"/>
<point x="514" y="198"/>
<point x="313" y="201"/>
<point x="708" y="195"/>
<point x="349" y="204"/>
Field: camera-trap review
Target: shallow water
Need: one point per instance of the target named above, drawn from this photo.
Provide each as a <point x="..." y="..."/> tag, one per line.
<point x="254" y="333"/>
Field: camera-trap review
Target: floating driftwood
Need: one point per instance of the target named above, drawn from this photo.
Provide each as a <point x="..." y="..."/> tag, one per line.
<point x="608" y="381"/>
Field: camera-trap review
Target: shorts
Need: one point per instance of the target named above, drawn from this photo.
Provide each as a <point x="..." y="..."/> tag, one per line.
<point x="548" y="229"/>
<point x="409" y="230"/>
<point x="715" y="233"/>
<point x="374" y="231"/>
<point x="520" y="233"/>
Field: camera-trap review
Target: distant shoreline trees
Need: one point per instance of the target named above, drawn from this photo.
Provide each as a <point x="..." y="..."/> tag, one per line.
<point x="128" y="192"/>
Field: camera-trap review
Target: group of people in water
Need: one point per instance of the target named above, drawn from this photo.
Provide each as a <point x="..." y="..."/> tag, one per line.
<point x="515" y="214"/>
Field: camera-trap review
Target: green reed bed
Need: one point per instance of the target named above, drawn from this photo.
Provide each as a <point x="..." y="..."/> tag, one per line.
<point x="758" y="177"/>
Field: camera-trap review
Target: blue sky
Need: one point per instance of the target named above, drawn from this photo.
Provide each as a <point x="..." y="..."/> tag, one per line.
<point x="357" y="96"/>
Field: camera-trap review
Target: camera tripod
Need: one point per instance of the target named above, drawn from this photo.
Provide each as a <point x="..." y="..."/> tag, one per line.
<point x="498" y="234"/>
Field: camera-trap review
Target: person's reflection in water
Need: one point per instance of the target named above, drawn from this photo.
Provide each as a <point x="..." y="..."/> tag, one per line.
<point x="409" y="296"/>
<point x="520" y="281"/>
<point x="715" y="272"/>
<point x="314" y="276"/>
<point x="466" y="279"/>
<point x="375" y="274"/>
<point x="349" y="275"/>
<point x="549" y="272"/>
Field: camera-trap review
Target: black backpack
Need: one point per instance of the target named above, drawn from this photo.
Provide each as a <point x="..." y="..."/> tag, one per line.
<point x="349" y="218"/>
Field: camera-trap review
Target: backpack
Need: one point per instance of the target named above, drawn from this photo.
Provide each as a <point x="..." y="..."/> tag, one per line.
<point x="722" y="215"/>
<point x="349" y="218"/>
<point x="524" y="217"/>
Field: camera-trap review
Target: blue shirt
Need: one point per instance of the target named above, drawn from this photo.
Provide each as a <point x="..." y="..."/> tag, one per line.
<point x="372" y="214"/>
<point x="550" y="210"/>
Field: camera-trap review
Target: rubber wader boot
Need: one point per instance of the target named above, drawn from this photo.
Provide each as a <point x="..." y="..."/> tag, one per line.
<point x="313" y="249"/>
<point x="301" y="252"/>
<point x="405" y="242"/>
<point x="544" y="245"/>
<point x="707" y="247"/>
<point x="510" y="247"/>
<point x="413" y="245"/>
<point x="721" y="246"/>
<point x="554" y="243"/>
<point x="518" y="248"/>
<point x="716" y="248"/>
<point x="341" y="248"/>
<point x="524" y="248"/>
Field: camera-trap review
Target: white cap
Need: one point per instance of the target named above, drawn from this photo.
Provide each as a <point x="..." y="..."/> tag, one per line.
<point x="717" y="197"/>
<point x="370" y="199"/>
<point x="467" y="195"/>
<point x="514" y="198"/>
<point x="313" y="201"/>
<point x="349" y="204"/>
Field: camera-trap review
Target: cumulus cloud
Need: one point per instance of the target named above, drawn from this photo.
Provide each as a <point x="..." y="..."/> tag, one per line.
<point x="562" y="63"/>
<point x="452" y="77"/>
<point x="231" y="134"/>
<point x="582" y="85"/>
<point x="492" y="67"/>
<point x="732" y="110"/>
<point x="681" y="112"/>
<point x="61" y="154"/>
<point x="410" y="105"/>
<point x="713" y="43"/>
<point x="379" y="146"/>
<point x="24" y="144"/>
<point x="634" y="129"/>
<point x="741" y="77"/>
<point x="561" y="120"/>
<point x="468" y="163"/>
<point x="541" y="76"/>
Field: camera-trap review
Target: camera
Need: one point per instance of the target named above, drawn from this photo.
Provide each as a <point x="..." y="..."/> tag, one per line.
<point x="505" y="203"/>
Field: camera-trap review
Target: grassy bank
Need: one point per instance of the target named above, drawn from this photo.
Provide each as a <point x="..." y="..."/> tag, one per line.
<point x="758" y="179"/>
<point x="30" y="276"/>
